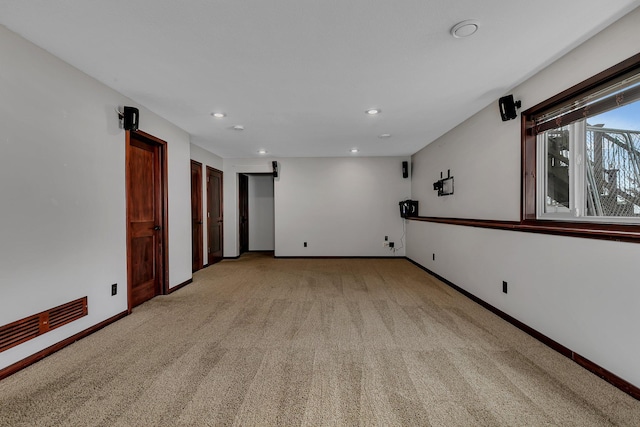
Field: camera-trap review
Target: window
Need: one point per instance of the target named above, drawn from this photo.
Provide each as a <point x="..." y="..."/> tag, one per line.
<point x="591" y="167"/>
<point x="581" y="152"/>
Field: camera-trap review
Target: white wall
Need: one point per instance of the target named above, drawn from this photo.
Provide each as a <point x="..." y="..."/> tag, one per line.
<point x="207" y="158"/>
<point x="339" y="206"/>
<point x="179" y="194"/>
<point x="62" y="192"/>
<point x="582" y="293"/>
<point x="261" y="209"/>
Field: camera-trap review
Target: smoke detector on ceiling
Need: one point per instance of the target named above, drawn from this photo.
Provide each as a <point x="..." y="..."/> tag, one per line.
<point x="465" y="29"/>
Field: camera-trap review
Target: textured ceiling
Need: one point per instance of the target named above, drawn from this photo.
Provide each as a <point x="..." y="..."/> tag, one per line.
<point x="299" y="74"/>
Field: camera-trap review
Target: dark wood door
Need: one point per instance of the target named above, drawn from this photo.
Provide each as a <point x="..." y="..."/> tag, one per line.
<point x="214" y="215"/>
<point x="146" y="234"/>
<point x="196" y="215"/>
<point x="243" y="208"/>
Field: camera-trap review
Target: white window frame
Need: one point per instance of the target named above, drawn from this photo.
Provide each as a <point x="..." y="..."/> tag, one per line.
<point x="577" y="181"/>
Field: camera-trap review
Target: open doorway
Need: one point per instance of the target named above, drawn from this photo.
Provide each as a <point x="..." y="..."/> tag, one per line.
<point x="243" y="212"/>
<point x="256" y="212"/>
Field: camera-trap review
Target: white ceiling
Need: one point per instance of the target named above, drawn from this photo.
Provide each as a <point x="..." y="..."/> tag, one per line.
<point x="299" y="74"/>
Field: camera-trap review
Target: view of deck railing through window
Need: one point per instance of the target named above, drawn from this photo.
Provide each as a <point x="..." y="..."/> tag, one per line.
<point x="613" y="172"/>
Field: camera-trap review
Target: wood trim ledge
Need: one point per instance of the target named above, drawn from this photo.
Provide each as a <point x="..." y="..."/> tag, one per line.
<point x="12" y="369"/>
<point x="606" y="375"/>
<point x="616" y="232"/>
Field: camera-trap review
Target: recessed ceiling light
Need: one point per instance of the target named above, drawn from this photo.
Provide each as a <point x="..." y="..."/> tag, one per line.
<point x="384" y="135"/>
<point x="238" y="127"/>
<point x="262" y="151"/>
<point x="218" y="115"/>
<point x="373" y="111"/>
<point x="464" y="29"/>
<point x="354" y="150"/>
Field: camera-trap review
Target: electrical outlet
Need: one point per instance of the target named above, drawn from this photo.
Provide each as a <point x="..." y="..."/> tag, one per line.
<point x="114" y="289"/>
<point x="391" y="244"/>
<point x="386" y="238"/>
<point x="386" y="244"/>
<point x="305" y="244"/>
<point x="504" y="286"/>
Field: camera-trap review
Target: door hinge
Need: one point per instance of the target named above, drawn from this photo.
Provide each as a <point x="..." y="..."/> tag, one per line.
<point x="208" y="214"/>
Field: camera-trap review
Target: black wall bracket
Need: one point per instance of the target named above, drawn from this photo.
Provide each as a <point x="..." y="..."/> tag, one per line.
<point x="444" y="186"/>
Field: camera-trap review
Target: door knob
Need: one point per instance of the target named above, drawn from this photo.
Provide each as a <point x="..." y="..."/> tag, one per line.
<point x="157" y="228"/>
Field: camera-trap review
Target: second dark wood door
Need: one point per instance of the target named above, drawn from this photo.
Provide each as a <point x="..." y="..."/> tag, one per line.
<point x="214" y="215"/>
<point x="196" y="215"/>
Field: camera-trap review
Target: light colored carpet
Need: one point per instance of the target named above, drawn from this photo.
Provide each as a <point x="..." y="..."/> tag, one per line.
<point x="263" y="341"/>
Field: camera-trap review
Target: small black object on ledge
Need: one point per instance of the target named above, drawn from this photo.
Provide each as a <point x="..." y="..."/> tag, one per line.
<point x="408" y="208"/>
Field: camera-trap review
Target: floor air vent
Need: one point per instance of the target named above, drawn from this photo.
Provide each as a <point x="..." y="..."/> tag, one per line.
<point x="30" y="327"/>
